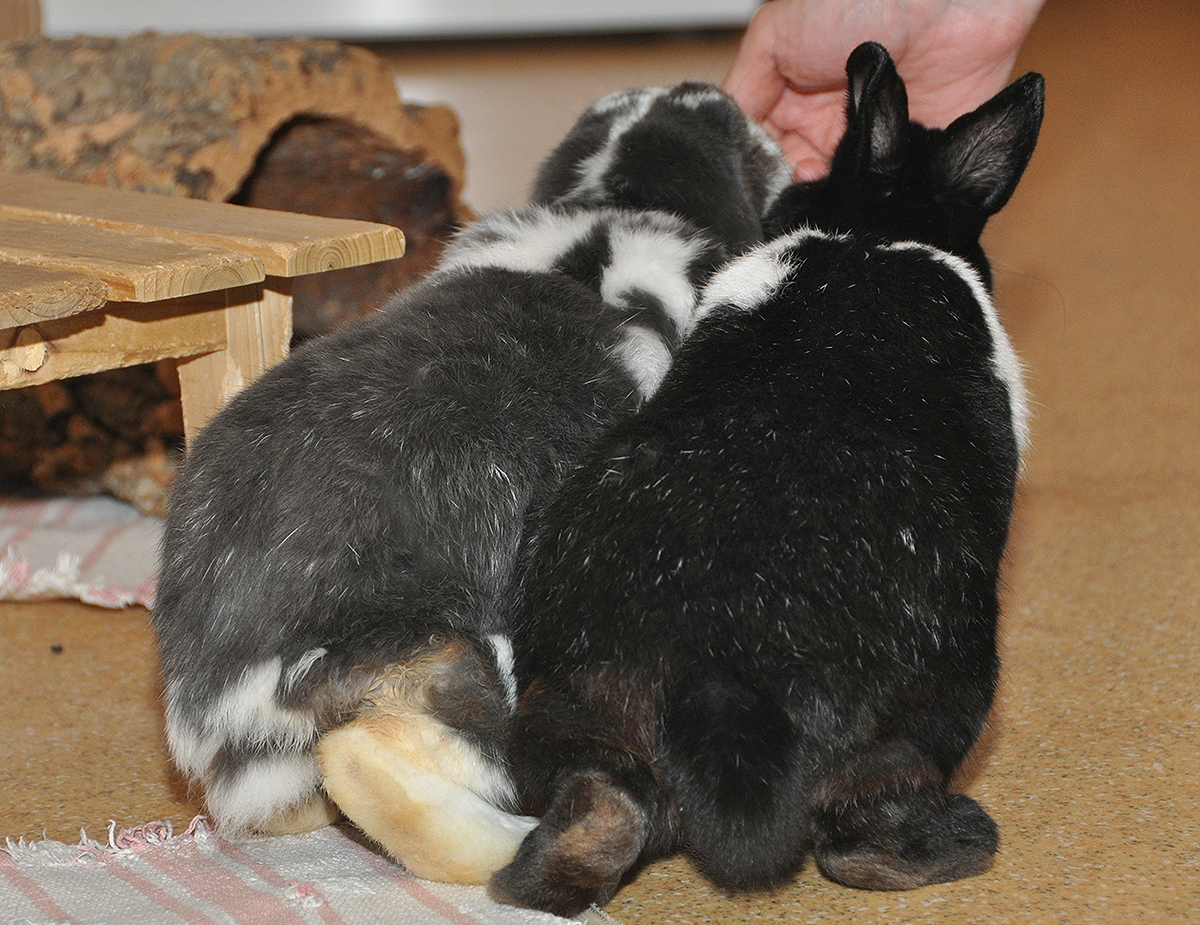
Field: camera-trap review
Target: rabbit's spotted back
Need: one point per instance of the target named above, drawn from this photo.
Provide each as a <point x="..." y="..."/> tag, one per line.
<point x="759" y="619"/>
<point x="625" y="151"/>
<point x="342" y="535"/>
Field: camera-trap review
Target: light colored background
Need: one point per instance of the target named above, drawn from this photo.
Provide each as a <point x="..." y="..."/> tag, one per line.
<point x="386" y="19"/>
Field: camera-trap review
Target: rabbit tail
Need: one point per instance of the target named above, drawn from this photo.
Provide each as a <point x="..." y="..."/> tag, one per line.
<point x="731" y="757"/>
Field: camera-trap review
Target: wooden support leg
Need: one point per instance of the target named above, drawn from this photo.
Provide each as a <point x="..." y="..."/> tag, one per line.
<point x="258" y="326"/>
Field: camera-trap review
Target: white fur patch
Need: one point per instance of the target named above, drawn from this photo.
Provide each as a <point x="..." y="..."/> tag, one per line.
<point x="533" y="240"/>
<point x="654" y="258"/>
<point x="621" y="99"/>
<point x="593" y="168"/>
<point x="247" y="711"/>
<point x="645" y="356"/>
<point x="303" y="666"/>
<point x="426" y="794"/>
<point x="260" y="790"/>
<point x="503" y="650"/>
<point x="1004" y="357"/>
<point x="750" y="280"/>
<point x="701" y="96"/>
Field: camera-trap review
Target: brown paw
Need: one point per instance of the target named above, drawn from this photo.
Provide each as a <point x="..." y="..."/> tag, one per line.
<point x="593" y="834"/>
<point x="904" y="843"/>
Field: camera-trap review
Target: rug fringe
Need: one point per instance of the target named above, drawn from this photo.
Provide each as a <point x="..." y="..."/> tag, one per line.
<point x="132" y="840"/>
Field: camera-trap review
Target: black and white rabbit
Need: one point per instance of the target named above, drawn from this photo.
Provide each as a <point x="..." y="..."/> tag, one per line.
<point x="341" y="535"/>
<point x="759" y="620"/>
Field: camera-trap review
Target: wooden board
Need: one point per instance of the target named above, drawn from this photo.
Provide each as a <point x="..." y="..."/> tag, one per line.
<point x="258" y="329"/>
<point x="29" y="294"/>
<point x="122" y="335"/>
<point x="287" y="244"/>
<point x="139" y="268"/>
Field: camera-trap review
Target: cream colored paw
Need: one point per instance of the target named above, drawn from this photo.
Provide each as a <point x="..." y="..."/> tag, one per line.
<point x="306" y="817"/>
<point x="412" y="784"/>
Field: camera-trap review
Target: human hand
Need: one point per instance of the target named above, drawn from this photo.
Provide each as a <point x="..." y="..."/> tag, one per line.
<point x="790" y="70"/>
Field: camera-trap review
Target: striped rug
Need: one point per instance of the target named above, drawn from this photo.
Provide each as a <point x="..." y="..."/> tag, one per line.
<point x="150" y="876"/>
<point x="98" y="550"/>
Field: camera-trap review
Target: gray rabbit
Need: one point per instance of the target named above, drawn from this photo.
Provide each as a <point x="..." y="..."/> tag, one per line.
<point x="341" y="537"/>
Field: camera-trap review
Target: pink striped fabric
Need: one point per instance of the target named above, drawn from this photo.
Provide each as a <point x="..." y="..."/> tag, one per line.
<point x="149" y="875"/>
<point x="98" y="550"/>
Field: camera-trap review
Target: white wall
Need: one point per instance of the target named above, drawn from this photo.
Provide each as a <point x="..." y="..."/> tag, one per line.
<point x="386" y="19"/>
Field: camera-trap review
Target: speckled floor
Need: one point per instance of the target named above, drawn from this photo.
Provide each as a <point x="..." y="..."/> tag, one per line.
<point x="1092" y="764"/>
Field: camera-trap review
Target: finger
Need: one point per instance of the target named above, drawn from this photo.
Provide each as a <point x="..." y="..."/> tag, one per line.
<point x="806" y="160"/>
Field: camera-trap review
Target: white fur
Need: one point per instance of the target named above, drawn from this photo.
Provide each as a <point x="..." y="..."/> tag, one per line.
<point x="656" y="260"/>
<point x="532" y="240"/>
<point x="621" y="99"/>
<point x="646" y="356"/>
<point x="261" y="789"/>
<point x="303" y="665"/>
<point x="1004" y="357"/>
<point x="694" y="99"/>
<point x="426" y="794"/>
<point x="503" y="650"/>
<point x="649" y="251"/>
<point x="592" y="169"/>
<point x="247" y="711"/>
<point x="749" y="281"/>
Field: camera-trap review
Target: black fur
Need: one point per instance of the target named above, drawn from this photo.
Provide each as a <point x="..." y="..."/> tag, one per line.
<point x="714" y="186"/>
<point x="787" y="561"/>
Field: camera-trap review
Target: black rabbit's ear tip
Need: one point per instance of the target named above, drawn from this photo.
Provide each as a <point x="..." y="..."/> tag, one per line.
<point x="1033" y="84"/>
<point x="1030" y="88"/>
<point x="867" y="57"/>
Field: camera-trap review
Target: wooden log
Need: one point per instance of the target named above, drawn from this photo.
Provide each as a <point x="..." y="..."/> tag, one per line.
<point x="19" y="19"/>
<point x="325" y="167"/>
<point x="298" y="125"/>
<point x="188" y="115"/>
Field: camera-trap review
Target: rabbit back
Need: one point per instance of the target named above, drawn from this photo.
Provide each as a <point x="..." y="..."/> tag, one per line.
<point x="804" y="529"/>
<point x="370" y="491"/>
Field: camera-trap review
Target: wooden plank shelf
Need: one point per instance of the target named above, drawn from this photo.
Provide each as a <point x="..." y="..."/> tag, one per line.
<point x="133" y="267"/>
<point x="29" y="294"/>
<point x="93" y="279"/>
<point x="288" y="244"/>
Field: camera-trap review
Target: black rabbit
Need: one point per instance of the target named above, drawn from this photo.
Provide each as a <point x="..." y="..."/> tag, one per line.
<point x="759" y="620"/>
<point x="342" y="534"/>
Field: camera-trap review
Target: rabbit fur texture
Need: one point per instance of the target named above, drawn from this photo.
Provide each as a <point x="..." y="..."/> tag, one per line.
<point x="331" y="609"/>
<point x="758" y="621"/>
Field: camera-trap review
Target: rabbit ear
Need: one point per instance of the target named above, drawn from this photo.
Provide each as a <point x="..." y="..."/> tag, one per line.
<point x="981" y="155"/>
<point x="876" y="109"/>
